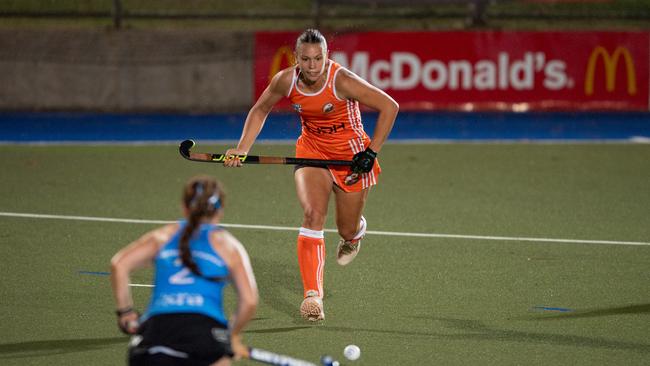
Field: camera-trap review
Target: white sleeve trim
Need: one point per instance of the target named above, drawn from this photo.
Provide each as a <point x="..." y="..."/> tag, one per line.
<point x="293" y="81"/>
<point x="334" y="83"/>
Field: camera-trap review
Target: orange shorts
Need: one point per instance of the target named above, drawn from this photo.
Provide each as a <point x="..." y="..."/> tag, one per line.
<point x="309" y="150"/>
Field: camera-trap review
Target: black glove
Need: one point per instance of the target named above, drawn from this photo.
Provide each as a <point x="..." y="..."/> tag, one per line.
<point x="363" y="161"/>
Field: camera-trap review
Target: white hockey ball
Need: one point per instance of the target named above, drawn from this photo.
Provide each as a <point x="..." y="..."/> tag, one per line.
<point x="352" y="352"/>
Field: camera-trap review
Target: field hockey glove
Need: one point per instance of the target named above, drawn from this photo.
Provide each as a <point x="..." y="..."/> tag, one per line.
<point x="363" y="161"/>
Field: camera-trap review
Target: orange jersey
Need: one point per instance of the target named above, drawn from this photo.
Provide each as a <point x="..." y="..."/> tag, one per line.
<point x="331" y="128"/>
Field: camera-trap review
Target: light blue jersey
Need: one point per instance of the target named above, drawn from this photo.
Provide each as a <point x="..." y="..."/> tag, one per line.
<point x="178" y="290"/>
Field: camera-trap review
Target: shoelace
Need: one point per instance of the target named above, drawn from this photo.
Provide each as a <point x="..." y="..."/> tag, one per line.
<point x="348" y="247"/>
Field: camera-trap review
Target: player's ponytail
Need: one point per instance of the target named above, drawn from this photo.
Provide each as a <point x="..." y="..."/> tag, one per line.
<point x="203" y="198"/>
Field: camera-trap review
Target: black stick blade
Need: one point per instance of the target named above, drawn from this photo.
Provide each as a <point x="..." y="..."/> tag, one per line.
<point x="184" y="148"/>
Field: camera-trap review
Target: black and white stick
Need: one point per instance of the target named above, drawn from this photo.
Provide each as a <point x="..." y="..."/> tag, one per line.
<point x="272" y="358"/>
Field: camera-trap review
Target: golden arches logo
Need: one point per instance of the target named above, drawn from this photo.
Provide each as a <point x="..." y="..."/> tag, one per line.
<point x="284" y="53"/>
<point x="610" y="63"/>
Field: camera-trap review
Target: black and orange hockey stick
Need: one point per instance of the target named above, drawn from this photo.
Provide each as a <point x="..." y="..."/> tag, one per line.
<point x="186" y="146"/>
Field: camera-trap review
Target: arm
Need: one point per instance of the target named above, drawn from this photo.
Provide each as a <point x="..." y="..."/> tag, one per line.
<point x="243" y="278"/>
<point x="248" y="296"/>
<point x="257" y="115"/>
<point x="350" y="86"/>
<point x="138" y="254"/>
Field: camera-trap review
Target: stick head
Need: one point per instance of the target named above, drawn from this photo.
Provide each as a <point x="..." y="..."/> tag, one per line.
<point x="185" y="147"/>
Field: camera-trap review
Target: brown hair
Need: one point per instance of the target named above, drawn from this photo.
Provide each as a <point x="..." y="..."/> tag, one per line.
<point x="313" y="36"/>
<point x="203" y="198"/>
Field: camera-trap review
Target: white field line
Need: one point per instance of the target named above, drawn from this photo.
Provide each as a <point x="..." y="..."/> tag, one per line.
<point x="288" y="228"/>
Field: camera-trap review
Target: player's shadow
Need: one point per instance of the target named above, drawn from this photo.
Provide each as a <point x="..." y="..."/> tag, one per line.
<point x="56" y="347"/>
<point x="278" y="330"/>
<point x="476" y="330"/>
<point x="598" y="312"/>
<point x="279" y="285"/>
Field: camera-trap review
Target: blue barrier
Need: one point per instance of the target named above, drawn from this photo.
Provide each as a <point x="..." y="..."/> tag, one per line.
<point x="410" y="126"/>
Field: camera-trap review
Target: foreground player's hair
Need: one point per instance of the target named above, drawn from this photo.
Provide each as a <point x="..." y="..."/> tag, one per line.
<point x="203" y="198"/>
<point x="313" y="36"/>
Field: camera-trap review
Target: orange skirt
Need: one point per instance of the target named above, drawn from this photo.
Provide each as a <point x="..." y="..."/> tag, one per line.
<point x="309" y="150"/>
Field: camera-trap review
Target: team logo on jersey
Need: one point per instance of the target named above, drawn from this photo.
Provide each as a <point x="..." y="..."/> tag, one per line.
<point x="327" y="108"/>
<point x="297" y="108"/>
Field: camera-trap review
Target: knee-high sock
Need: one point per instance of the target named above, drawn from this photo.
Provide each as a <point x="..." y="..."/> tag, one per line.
<point x="311" y="258"/>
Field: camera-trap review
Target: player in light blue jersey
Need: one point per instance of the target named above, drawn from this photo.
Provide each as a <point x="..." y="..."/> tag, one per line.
<point x="185" y="323"/>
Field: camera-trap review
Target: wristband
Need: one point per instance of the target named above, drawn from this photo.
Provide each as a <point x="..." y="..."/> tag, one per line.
<point x="124" y="311"/>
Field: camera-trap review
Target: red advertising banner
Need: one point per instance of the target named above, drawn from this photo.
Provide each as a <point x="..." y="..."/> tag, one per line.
<point x="517" y="71"/>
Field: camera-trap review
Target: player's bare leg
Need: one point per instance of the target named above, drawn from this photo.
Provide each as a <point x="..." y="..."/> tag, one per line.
<point x="313" y="186"/>
<point x="224" y="361"/>
<point x="350" y="223"/>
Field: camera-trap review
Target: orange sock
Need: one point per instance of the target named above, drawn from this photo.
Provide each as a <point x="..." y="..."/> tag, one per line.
<point x="311" y="258"/>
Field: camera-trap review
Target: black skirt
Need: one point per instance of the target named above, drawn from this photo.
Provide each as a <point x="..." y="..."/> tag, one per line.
<point x="179" y="339"/>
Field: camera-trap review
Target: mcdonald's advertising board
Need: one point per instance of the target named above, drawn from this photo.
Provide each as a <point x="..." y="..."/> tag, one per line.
<point x="517" y="71"/>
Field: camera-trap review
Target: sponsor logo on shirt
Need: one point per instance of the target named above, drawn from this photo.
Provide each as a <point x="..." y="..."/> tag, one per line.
<point x="180" y="299"/>
<point x="323" y="129"/>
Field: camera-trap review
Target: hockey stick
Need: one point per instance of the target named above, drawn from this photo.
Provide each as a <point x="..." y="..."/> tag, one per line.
<point x="187" y="145"/>
<point x="271" y="358"/>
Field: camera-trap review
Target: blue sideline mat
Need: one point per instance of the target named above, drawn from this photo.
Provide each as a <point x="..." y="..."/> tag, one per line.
<point x="410" y="126"/>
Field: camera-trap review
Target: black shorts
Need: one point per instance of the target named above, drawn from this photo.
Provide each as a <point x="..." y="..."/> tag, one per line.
<point x="179" y="339"/>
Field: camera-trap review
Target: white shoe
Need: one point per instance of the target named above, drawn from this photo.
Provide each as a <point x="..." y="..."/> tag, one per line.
<point x="347" y="250"/>
<point x="312" y="307"/>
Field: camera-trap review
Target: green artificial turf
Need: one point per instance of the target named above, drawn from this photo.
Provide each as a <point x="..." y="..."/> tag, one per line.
<point x="469" y="299"/>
